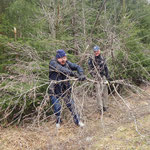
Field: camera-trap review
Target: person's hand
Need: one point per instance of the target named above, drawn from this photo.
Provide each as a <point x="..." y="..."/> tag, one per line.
<point x="82" y="78"/>
<point x="74" y="74"/>
<point x="109" y="79"/>
<point x="106" y="82"/>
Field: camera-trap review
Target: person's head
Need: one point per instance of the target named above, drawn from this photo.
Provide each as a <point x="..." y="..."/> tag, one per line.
<point x="96" y="50"/>
<point x="61" y="56"/>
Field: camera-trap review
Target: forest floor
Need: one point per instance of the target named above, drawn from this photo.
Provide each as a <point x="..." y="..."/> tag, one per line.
<point x="117" y="129"/>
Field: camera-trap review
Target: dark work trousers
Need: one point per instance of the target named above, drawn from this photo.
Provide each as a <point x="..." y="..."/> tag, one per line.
<point x="69" y="103"/>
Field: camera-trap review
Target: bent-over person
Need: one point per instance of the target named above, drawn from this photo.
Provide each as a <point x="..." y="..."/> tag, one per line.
<point x="60" y="69"/>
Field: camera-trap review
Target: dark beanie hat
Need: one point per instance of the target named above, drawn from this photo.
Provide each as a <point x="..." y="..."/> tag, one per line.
<point x="60" y="53"/>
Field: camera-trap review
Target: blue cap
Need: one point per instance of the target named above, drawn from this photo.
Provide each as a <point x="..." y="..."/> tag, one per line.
<point x="60" y="53"/>
<point x="96" y="48"/>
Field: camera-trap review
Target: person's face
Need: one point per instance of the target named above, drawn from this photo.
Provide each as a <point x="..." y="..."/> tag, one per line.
<point x="97" y="53"/>
<point x="62" y="60"/>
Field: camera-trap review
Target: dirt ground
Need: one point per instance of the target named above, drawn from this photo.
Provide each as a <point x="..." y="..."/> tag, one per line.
<point x="125" y="126"/>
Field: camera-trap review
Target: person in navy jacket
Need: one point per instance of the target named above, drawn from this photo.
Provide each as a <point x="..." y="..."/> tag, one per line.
<point x="60" y="69"/>
<point x="99" y="70"/>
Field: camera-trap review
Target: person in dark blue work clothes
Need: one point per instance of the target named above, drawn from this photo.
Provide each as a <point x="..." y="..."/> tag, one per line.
<point x="60" y="69"/>
<point x="99" y="70"/>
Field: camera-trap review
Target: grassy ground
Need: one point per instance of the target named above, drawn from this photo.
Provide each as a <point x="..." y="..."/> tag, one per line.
<point x="125" y="137"/>
<point x="115" y="131"/>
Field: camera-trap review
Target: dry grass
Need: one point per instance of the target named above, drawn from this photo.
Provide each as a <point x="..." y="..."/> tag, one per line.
<point x="118" y="132"/>
<point x="125" y="137"/>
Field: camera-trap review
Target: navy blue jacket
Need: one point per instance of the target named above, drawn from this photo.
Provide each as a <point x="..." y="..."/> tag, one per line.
<point x="59" y="72"/>
<point x="100" y="64"/>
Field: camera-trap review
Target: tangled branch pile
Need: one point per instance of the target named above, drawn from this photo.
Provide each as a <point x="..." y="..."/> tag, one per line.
<point x="122" y="33"/>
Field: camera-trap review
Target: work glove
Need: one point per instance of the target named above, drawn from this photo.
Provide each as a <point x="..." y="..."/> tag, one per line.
<point x="82" y="78"/>
<point x="74" y="74"/>
<point x="109" y="78"/>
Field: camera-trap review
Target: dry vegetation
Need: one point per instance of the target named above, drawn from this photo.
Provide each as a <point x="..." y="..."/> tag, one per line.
<point x="119" y="129"/>
<point x="120" y="28"/>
